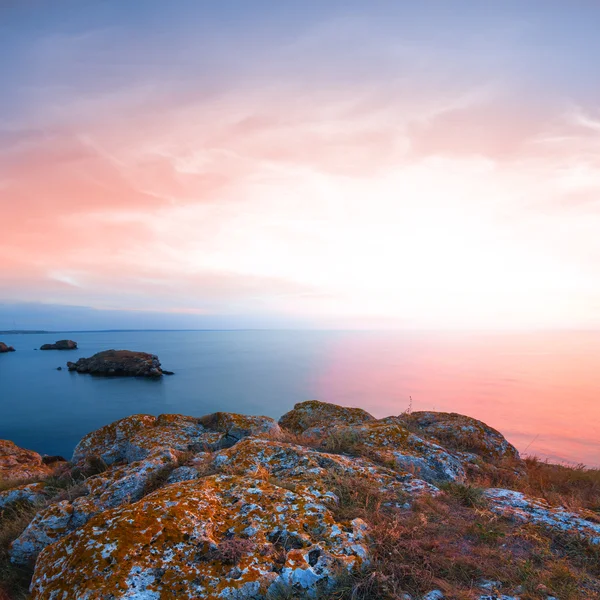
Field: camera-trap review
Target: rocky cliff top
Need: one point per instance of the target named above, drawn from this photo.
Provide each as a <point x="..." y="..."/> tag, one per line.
<point x="329" y="502"/>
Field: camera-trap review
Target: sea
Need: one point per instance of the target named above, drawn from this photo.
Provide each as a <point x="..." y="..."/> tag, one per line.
<point x="541" y="389"/>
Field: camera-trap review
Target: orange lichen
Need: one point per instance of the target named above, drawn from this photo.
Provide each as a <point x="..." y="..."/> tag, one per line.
<point x="17" y="463"/>
<point x="389" y="442"/>
<point x="167" y="544"/>
<point x="462" y="433"/>
<point x="316" y="414"/>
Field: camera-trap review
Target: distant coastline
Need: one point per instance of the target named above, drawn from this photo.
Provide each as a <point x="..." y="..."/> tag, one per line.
<point x="15" y="331"/>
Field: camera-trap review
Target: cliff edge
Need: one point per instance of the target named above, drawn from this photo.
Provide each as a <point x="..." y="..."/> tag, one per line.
<point x="329" y="502"/>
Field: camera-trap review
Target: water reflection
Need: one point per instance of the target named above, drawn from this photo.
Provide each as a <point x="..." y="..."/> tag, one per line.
<point x="541" y="390"/>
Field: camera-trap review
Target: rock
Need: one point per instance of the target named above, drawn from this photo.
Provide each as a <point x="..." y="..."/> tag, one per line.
<point x="34" y="493"/>
<point x="167" y="372"/>
<point x="59" y="368"/>
<point x="235" y="427"/>
<point x="136" y="437"/>
<point x="233" y="506"/>
<point x="464" y="434"/>
<point x="389" y="442"/>
<point x="52" y="459"/>
<point x="218" y="537"/>
<point x="313" y="414"/>
<point x="119" y="363"/>
<point x="519" y="507"/>
<point x="296" y="464"/>
<point x="5" y="348"/>
<point x="17" y="463"/>
<point x="60" y="345"/>
<point x="184" y="473"/>
<point x="111" y="489"/>
<point x="434" y="595"/>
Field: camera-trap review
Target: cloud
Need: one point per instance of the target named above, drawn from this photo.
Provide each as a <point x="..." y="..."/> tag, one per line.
<point x="414" y="192"/>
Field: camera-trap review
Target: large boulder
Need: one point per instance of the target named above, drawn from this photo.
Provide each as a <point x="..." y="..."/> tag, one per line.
<point x="317" y="416"/>
<point x="218" y="537"/>
<point x="17" y="463"/>
<point x="138" y="436"/>
<point x="463" y="434"/>
<point x="117" y="486"/>
<point x="60" y="345"/>
<point x="295" y="464"/>
<point x="5" y="348"/>
<point x="235" y="426"/>
<point x="389" y="442"/>
<point x="119" y="363"/>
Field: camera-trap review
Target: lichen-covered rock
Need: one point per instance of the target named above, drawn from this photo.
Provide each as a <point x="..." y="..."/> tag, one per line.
<point x="185" y="473"/>
<point x="216" y="537"/>
<point x="235" y="426"/>
<point x="317" y="415"/>
<point x="17" y="463"/>
<point x="119" y="363"/>
<point x="113" y="488"/>
<point x="297" y="464"/>
<point x="111" y="442"/>
<point x="136" y="437"/>
<point x="462" y="433"/>
<point x="389" y="442"/>
<point x="34" y="493"/>
<point x="60" y="345"/>
<point x="5" y="348"/>
<point x="519" y="507"/>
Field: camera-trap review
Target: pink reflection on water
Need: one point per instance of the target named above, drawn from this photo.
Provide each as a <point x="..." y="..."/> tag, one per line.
<point x="542" y="390"/>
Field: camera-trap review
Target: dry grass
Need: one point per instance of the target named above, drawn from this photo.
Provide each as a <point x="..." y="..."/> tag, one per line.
<point x="14" y="580"/>
<point x="574" y="487"/>
<point x="453" y="542"/>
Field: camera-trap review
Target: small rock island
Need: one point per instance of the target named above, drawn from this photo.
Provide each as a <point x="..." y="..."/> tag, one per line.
<point x="5" y="348"/>
<point x="326" y="502"/>
<point x="124" y="363"/>
<point x="60" y="345"/>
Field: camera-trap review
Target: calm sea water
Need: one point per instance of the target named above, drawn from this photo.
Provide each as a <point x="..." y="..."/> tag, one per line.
<point x="541" y="390"/>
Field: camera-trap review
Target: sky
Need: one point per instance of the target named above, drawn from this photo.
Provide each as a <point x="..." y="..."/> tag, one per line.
<point x="299" y="164"/>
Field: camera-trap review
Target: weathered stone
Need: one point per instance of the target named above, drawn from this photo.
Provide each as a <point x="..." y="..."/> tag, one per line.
<point x="60" y="345"/>
<point x="318" y="416"/>
<point x="235" y="426"/>
<point x="462" y="433"/>
<point x="389" y="442"/>
<point x="300" y="465"/>
<point x="17" y="463"/>
<point x="217" y="537"/>
<point x="5" y="348"/>
<point x="113" y="488"/>
<point x="119" y="363"/>
<point x="34" y="493"/>
<point x="138" y="436"/>
<point x="519" y="507"/>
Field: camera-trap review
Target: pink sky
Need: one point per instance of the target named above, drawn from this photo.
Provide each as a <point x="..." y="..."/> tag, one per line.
<point x="342" y="174"/>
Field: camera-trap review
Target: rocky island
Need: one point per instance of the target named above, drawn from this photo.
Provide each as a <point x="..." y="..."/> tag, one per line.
<point x="120" y="363"/>
<point x="60" y="345"/>
<point x="328" y="502"/>
<point x="5" y="348"/>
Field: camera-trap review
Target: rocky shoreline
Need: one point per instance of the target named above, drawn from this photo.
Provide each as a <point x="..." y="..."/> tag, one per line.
<point x="230" y="506"/>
